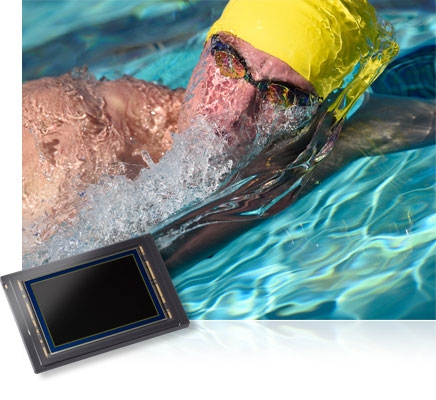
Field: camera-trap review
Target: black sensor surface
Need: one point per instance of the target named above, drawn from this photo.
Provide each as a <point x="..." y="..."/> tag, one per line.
<point x="87" y="304"/>
<point x="97" y="299"/>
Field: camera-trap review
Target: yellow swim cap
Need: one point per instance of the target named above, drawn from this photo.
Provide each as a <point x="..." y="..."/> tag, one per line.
<point x="323" y="40"/>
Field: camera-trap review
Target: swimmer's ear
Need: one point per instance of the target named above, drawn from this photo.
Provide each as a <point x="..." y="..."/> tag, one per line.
<point x="383" y="124"/>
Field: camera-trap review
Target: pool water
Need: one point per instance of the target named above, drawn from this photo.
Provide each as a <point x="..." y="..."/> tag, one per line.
<point x="359" y="246"/>
<point x="337" y="254"/>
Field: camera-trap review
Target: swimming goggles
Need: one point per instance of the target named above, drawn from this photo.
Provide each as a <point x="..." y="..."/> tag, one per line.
<point x="232" y="65"/>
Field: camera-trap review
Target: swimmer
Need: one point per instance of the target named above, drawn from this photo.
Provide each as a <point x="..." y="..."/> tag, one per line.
<point x="260" y="66"/>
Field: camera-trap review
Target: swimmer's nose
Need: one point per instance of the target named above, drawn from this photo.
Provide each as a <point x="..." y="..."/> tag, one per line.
<point x="230" y="115"/>
<point x="221" y="101"/>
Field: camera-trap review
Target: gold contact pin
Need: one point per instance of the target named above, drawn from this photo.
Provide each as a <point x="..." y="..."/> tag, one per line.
<point x="151" y="270"/>
<point x="158" y="287"/>
<point x="31" y="315"/>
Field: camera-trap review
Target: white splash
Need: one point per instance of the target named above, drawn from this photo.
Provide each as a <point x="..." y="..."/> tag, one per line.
<point x="118" y="208"/>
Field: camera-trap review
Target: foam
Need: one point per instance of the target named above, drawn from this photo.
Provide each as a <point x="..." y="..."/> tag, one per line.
<point x="118" y="208"/>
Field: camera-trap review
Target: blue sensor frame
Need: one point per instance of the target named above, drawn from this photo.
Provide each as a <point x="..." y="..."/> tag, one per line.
<point x="160" y="315"/>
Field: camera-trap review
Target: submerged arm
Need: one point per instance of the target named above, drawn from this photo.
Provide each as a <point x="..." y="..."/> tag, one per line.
<point x="384" y="124"/>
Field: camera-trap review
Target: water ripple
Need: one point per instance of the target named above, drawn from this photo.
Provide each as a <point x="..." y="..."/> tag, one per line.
<point x="364" y="250"/>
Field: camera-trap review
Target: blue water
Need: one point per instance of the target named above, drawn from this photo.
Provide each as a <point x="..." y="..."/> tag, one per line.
<point x="361" y="250"/>
<point x="360" y="246"/>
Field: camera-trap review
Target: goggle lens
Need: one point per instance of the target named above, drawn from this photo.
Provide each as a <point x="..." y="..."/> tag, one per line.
<point x="288" y="97"/>
<point x="229" y="65"/>
<point x="277" y="94"/>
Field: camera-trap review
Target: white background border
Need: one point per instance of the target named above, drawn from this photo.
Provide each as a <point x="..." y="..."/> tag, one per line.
<point x="211" y="359"/>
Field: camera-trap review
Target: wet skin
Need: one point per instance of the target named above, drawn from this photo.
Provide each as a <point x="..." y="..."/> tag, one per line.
<point x="77" y="128"/>
<point x="233" y="104"/>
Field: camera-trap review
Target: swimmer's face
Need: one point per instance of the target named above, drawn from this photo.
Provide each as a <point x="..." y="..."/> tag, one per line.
<point x="235" y="107"/>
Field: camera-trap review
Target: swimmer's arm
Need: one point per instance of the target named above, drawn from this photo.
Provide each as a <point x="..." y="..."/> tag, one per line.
<point x="384" y="124"/>
<point x="387" y="124"/>
<point x="75" y="126"/>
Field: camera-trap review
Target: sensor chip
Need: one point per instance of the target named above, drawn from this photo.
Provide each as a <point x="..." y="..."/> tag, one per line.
<point x="94" y="302"/>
